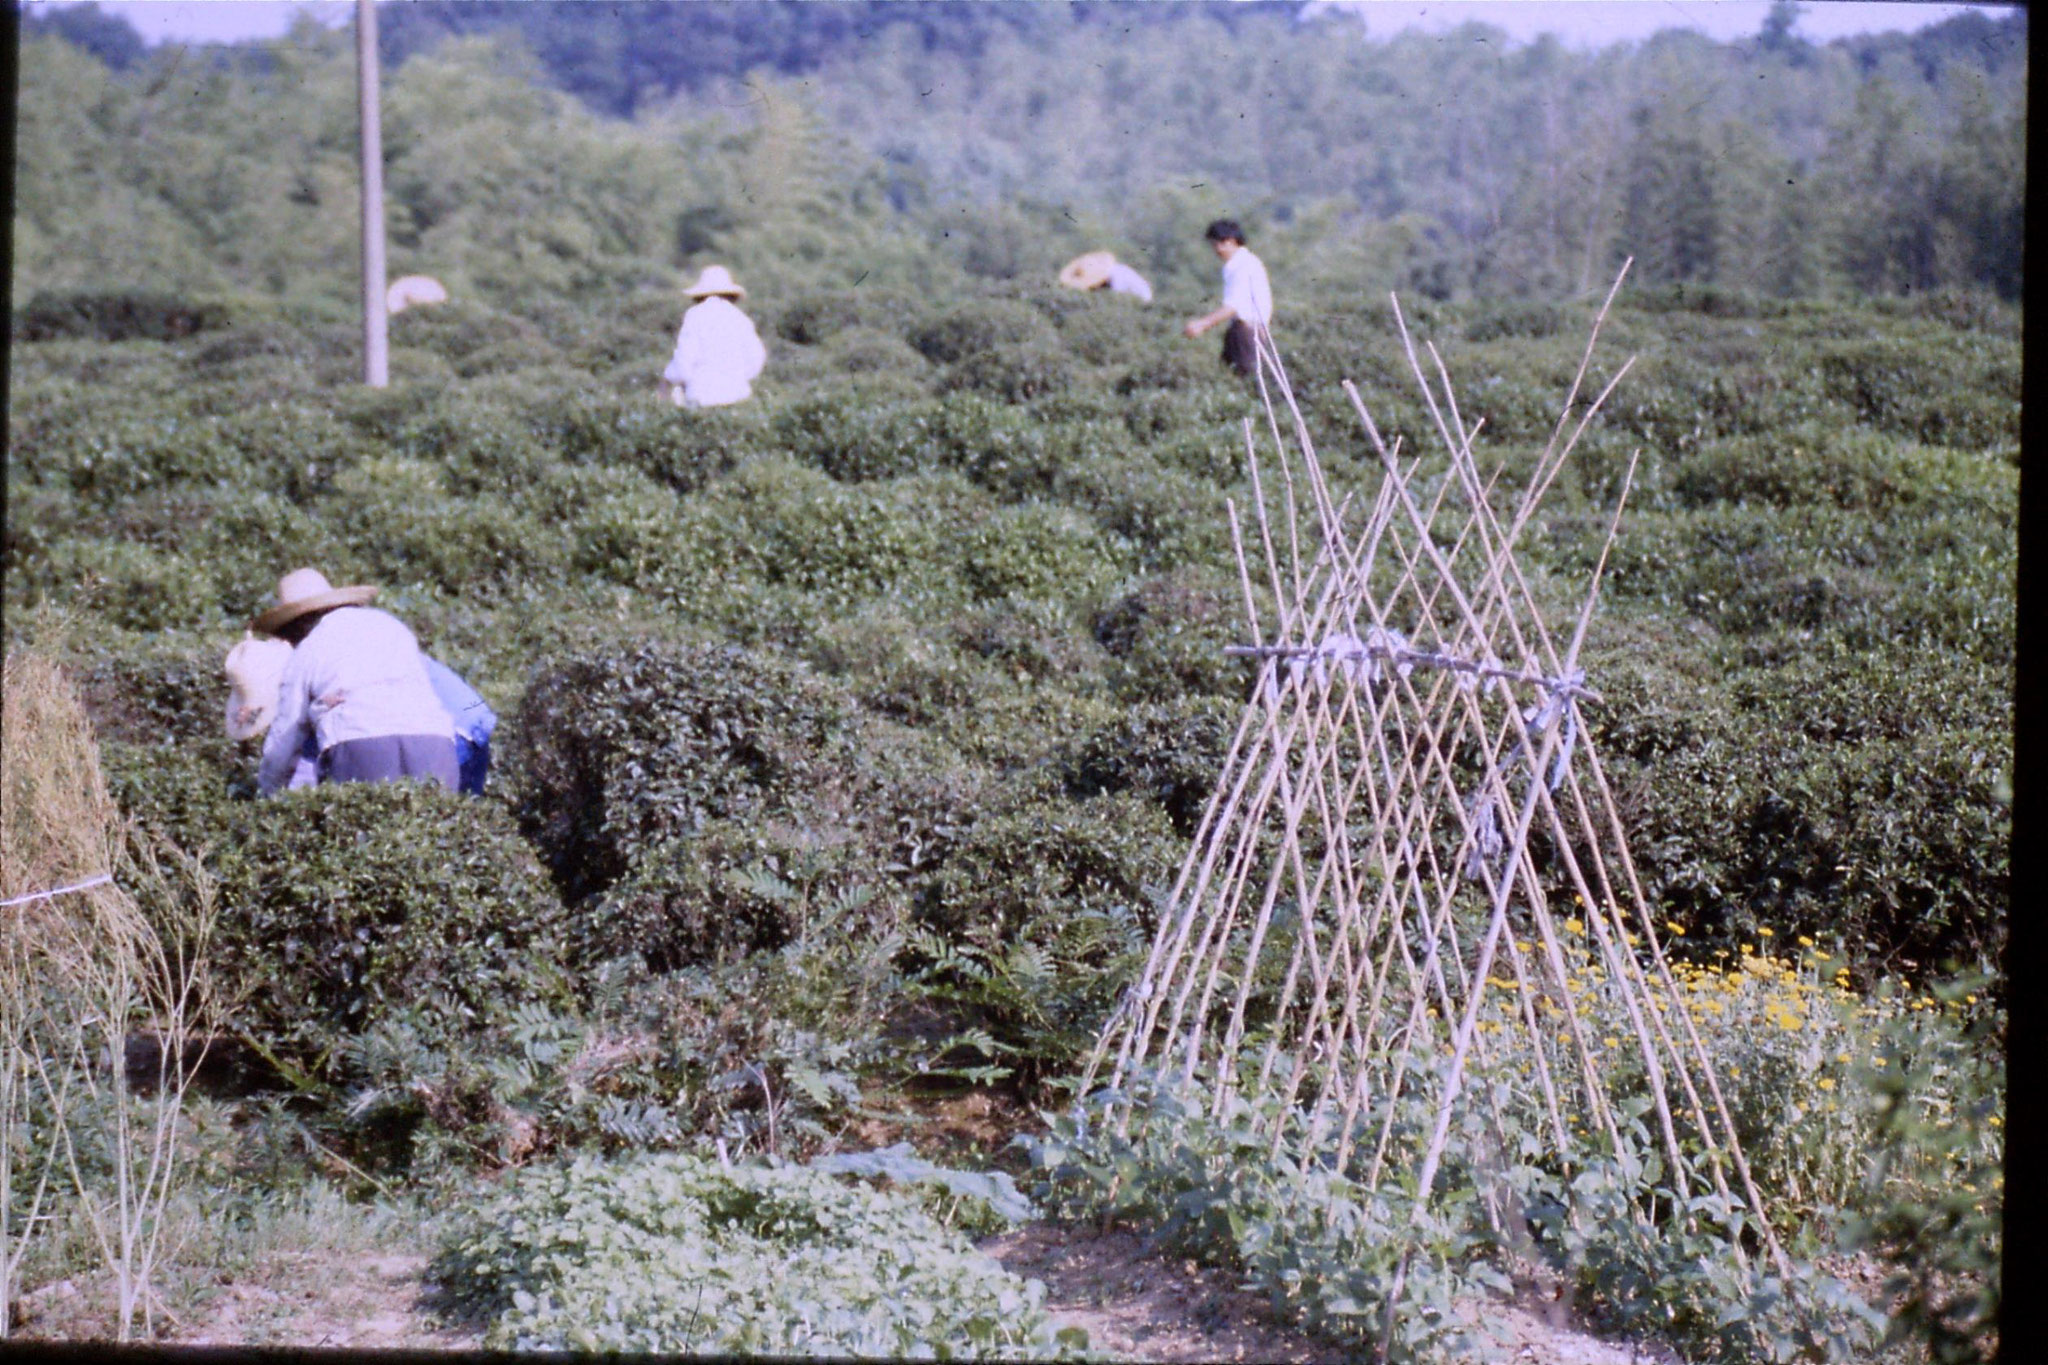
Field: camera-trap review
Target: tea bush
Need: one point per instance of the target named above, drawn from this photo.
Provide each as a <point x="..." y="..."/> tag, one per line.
<point x="1113" y="330"/>
<point x="408" y="529"/>
<point x="1038" y="916"/>
<point x="979" y="326"/>
<point x="104" y="458"/>
<point x="1874" y="830"/>
<point x="131" y="587"/>
<point x="1035" y="550"/>
<point x="842" y="433"/>
<point x="1961" y="392"/>
<point x="611" y="754"/>
<point x="1853" y="469"/>
<point x="809" y="319"/>
<point x="730" y="889"/>
<point x="786" y="526"/>
<point x="673" y="1253"/>
<point x="1168" y="635"/>
<point x="168" y="691"/>
<point x="869" y="351"/>
<point x="193" y="793"/>
<point x="894" y="666"/>
<point x="354" y="901"/>
<point x="1168" y="752"/>
<point x="623" y="528"/>
<point x="1166" y="517"/>
<point x="117" y="316"/>
<point x="1029" y="641"/>
<point x="477" y="441"/>
<point x="1014" y="372"/>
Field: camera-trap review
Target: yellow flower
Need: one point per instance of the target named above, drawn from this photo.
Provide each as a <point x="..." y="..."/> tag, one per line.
<point x="1805" y="942"/>
<point x="1747" y="949"/>
<point x="1677" y="930"/>
<point x="1827" y="1082"/>
<point x="1764" y="932"/>
<point x="1576" y="925"/>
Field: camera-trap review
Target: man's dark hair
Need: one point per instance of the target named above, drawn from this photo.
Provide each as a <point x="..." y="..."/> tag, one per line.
<point x="1225" y="230"/>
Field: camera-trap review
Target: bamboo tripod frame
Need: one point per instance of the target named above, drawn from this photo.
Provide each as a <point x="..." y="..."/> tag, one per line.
<point x="1411" y="885"/>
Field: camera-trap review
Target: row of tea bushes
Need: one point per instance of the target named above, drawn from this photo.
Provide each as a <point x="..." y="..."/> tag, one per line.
<point x="947" y="603"/>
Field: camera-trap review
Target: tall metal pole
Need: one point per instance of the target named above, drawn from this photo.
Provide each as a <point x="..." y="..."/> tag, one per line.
<point x="376" y="364"/>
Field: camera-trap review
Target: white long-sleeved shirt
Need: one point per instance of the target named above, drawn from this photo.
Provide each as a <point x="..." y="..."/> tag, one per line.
<point x="1124" y="280"/>
<point x="358" y="674"/>
<point x="717" y="354"/>
<point x="1246" y="291"/>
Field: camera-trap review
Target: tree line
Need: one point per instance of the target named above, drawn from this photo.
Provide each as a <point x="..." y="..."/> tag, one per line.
<point x="550" y="148"/>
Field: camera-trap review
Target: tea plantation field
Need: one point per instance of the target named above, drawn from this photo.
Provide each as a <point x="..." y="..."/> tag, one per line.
<point x="852" y="736"/>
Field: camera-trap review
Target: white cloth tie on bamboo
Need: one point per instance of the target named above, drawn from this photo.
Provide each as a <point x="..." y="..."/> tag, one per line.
<point x="1557" y="705"/>
<point x="1342" y="652"/>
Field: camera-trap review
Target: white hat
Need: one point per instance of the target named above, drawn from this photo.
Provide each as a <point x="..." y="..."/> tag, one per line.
<point x="254" y="668"/>
<point x="408" y="290"/>
<point x="714" y="280"/>
<point x="304" y="590"/>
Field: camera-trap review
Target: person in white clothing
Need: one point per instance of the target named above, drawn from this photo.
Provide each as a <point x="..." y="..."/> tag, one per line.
<point x="357" y="683"/>
<point x="1247" y="298"/>
<point x="718" y="352"/>
<point x="1124" y="280"/>
<point x="1102" y="270"/>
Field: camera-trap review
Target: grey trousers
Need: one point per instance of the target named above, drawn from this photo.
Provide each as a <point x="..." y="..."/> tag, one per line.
<point x="387" y="758"/>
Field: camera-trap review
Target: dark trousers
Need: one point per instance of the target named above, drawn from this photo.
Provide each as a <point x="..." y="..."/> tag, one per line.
<point x="473" y="763"/>
<point x="1241" y="347"/>
<point x="388" y="758"/>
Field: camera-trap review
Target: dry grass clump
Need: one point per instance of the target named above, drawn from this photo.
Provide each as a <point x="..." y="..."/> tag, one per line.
<point x="81" y="970"/>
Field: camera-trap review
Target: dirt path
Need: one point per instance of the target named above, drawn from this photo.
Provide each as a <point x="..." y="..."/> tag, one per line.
<point x="375" y="1302"/>
<point x="1138" y="1305"/>
<point x="1134" y="1303"/>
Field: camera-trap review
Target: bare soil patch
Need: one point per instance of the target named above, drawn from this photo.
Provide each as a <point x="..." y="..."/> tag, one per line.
<point x="367" y="1303"/>
<point x="1141" y="1305"/>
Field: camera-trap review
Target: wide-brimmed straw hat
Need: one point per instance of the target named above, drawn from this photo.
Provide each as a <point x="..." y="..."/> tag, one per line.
<point x="714" y="280"/>
<point x="306" y="590"/>
<point x="1088" y="272"/>
<point x="408" y="291"/>
<point x="254" y="668"/>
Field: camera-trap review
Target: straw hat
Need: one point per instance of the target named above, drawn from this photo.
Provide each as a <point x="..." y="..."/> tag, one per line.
<point x="1088" y="272"/>
<point x="304" y="590"/>
<point x="254" y="668"/>
<point x="408" y="290"/>
<point x="714" y="280"/>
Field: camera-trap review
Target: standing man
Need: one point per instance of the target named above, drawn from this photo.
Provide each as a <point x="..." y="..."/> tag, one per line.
<point x="357" y="684"/>
<point x="1247" y="298"/>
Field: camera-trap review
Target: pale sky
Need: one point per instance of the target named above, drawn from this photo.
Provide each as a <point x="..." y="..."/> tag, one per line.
<point x="1581" y="23"/>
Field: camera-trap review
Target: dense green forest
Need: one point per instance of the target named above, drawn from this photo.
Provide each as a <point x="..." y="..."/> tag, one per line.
<point x="823" y="143"/>
<point x="851" y="737"/>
